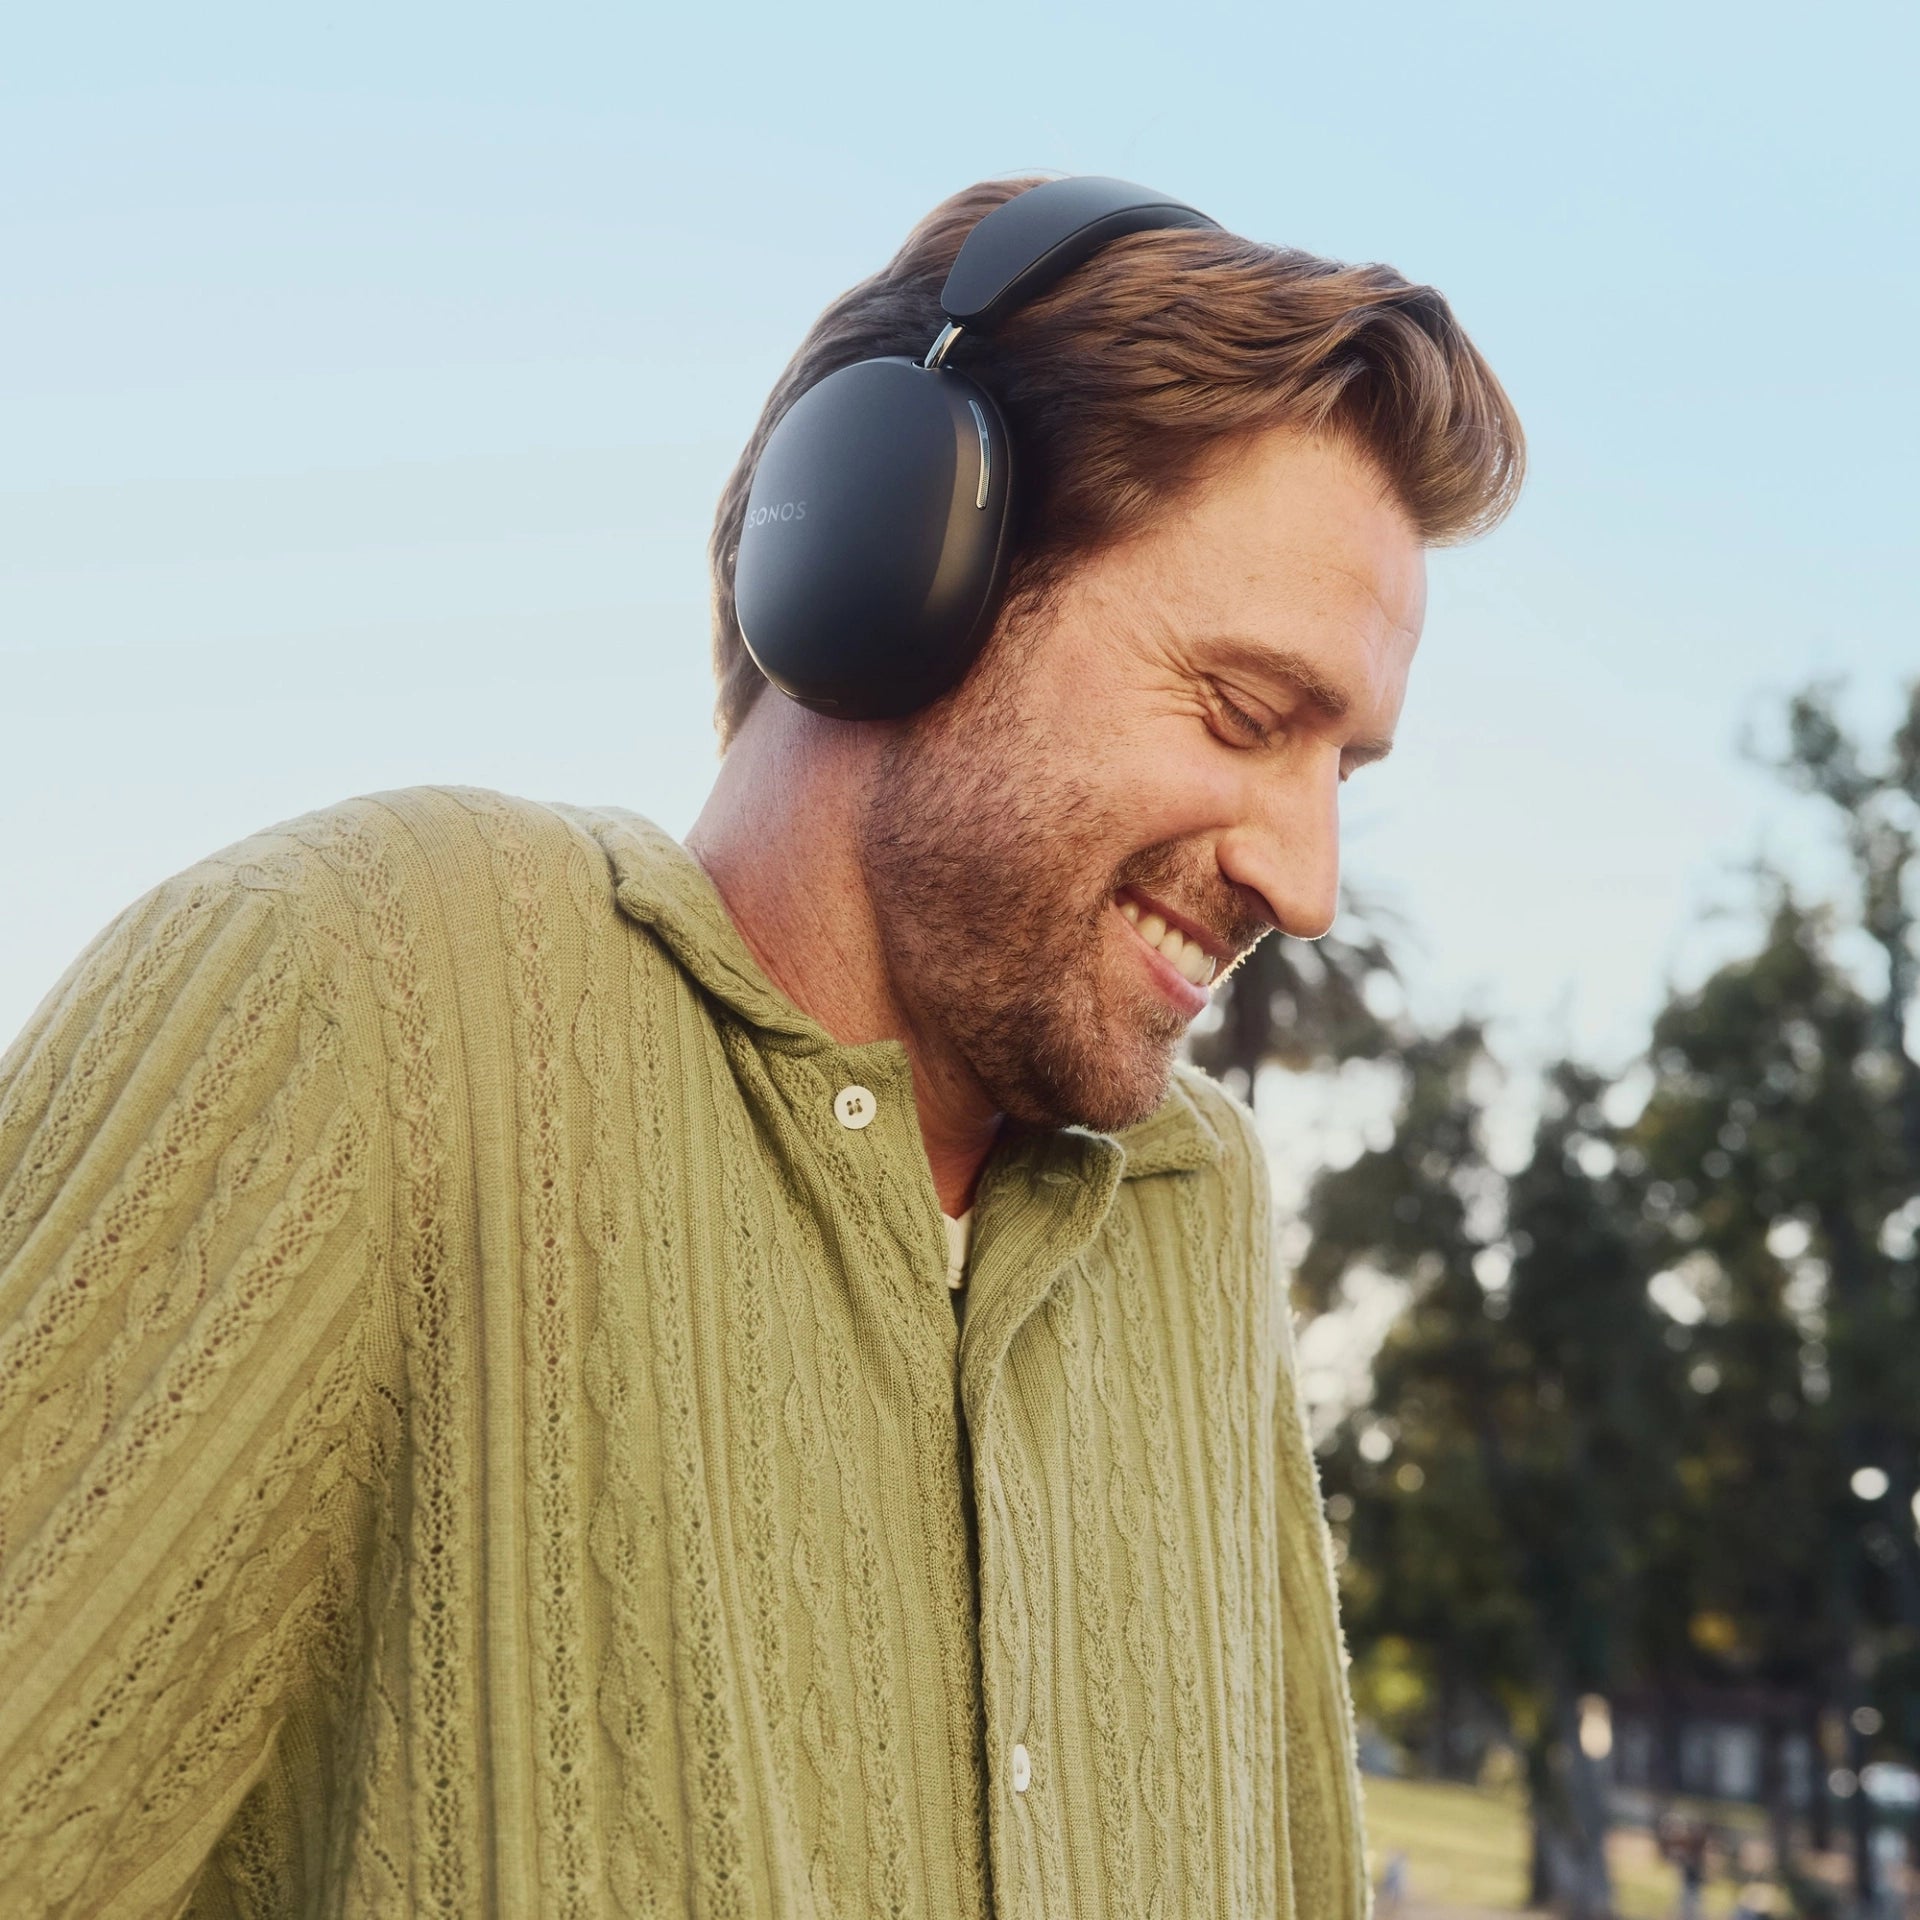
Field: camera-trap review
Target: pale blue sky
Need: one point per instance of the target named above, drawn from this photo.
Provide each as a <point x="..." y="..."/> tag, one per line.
<point x="367" y="376"/>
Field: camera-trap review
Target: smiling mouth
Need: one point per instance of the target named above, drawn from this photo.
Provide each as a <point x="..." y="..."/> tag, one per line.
<point x="1191" y="961"/>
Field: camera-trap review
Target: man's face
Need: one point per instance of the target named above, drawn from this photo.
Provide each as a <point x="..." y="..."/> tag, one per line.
<point x="1126" y="795"/>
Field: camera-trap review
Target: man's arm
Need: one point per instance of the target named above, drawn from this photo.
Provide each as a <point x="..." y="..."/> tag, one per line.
<point x="184" y="1253"/>
<point x="1320" y="1842"/>
<point x="1327" y="1844"/>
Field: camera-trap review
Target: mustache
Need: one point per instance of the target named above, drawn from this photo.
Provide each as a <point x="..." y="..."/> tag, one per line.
<point x="1190" y="883"/>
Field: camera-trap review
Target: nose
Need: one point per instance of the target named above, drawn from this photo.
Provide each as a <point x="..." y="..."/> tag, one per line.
<point x="1284" y="844"/>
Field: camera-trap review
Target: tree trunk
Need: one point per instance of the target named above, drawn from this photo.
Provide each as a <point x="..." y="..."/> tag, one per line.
<point x="1773" y="1782"/>
<point x="1865" y="1872"/>
<point x="1540" y="1875"/>
<point x="1819" y="1802"/>
<point x="1568" y="1806"/>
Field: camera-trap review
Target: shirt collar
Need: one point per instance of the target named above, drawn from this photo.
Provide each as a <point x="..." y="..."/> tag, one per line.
<point x="660" y="885"/>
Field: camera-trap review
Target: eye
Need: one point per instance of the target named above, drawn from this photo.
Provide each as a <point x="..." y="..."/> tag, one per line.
<point x="1247" y="730"/>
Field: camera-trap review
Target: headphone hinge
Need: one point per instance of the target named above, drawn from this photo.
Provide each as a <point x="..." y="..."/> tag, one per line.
<point x="942" y="346"/>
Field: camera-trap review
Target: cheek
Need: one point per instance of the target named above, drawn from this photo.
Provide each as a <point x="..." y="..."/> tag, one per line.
<point x="1144" y="774"/>
<point x="1175" y="781"/>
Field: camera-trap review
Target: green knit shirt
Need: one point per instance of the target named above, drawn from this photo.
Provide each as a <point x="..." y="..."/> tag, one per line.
<point x="483" y="1432"/>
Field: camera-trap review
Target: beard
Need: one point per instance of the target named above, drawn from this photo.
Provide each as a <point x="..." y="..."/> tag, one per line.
<point x="992" y="862"/>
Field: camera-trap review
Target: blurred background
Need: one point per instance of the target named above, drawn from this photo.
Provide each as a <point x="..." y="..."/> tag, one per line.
<point x="369" y="374"/>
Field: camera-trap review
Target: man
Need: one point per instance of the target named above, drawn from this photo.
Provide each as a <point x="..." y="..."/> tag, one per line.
<point x="481" y="1426"/>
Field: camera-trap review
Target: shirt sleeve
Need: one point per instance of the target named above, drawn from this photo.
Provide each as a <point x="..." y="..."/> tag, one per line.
<point x="1322" y="1839"/>
<point x="1325" y="1826"/>
<point x="184" y="1252"/>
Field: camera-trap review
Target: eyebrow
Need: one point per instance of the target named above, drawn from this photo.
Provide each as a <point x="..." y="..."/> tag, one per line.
<point x="1277" y="667"/>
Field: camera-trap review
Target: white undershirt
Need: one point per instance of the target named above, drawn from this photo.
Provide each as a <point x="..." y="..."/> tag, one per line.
<point x="959" y="1232"/>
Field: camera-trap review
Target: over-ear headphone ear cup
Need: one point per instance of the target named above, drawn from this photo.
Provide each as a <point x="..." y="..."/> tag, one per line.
<point x="874" y="549"/>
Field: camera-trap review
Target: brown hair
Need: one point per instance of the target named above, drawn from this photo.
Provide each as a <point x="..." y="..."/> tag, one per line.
<point x="1126" y="380"/>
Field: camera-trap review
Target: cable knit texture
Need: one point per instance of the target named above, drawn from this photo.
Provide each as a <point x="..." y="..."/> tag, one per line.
<point x="480" y="1436"/>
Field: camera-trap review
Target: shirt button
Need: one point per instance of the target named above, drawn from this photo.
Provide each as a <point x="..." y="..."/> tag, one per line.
<point x="854" y="1107"/>
<point x="1022" y="1768"/>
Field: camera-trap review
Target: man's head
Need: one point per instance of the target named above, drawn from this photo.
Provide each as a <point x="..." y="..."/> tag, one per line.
<point x="1232" y="457"/>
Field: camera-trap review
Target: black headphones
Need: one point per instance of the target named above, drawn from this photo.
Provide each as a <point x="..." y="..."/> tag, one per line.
<point x="874" y="551"/>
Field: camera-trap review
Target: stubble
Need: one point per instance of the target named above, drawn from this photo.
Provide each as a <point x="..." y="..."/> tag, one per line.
<point x="992" y="867"/>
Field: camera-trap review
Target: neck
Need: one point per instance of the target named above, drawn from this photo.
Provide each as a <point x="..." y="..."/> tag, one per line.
<point x="778" y="836"/>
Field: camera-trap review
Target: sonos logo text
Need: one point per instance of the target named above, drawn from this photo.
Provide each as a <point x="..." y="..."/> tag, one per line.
<point x="786" y="510"/>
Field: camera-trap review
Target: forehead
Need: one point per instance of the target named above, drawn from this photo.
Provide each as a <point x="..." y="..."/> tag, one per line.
<point x="1306" y="531"/>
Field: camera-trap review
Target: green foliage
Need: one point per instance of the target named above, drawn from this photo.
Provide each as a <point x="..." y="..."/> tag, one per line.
<point x="1522" y="1391"/>
<point x="1614" y="1434"/>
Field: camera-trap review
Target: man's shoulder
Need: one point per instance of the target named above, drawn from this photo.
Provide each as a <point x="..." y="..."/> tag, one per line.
<point x="410" y="877"/>
<point x="377" y="848"/>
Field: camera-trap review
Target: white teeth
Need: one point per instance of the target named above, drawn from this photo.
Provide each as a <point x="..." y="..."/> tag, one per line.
<point x="1189" y="958"/>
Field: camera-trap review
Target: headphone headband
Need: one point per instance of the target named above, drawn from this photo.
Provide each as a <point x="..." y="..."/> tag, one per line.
<point x="1025" y="244"/>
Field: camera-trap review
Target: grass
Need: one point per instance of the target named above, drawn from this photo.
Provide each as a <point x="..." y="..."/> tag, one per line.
<point x="1467" y="1848"/>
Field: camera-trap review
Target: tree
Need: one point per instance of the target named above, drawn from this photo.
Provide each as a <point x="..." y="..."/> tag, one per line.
<point x="1783" y="1148"/>
<point x="1651" y="1412"/>
<point x="1593" y="1483"/>
<point x="1498" y="1486"/>
<point x="1756" y="1132"/>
